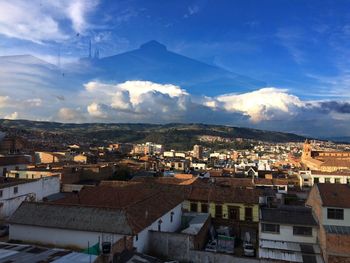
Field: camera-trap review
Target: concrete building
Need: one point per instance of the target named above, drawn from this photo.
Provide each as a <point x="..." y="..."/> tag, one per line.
<point x="228" y="206"/>
<point x="288" y="234"/>
<point x="13" y="162"/>
<point x="177" y="164"/>
<point x="32" y="173"/>
<point x="198" y="166"/>
<point x="52" y="157"/>
<point x="198" y="152"/>
<point x="331" y="205"/>
<point x="14" y="191"/>
<point x="310" y="177"/>
<point x="122" y="215"/>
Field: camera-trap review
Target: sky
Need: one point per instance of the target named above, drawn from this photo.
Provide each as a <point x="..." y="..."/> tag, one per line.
<point x="300" y="49"/>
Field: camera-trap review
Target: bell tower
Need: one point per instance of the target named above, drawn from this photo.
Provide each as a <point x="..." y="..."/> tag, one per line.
<point x="307" y="149"/>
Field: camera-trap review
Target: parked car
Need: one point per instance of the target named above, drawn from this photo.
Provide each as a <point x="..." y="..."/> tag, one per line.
<point x="4" y="230"/>
<point x="248" y="250"/>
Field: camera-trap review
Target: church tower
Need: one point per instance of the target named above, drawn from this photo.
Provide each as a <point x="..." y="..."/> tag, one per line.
<point x="307" y="149"/>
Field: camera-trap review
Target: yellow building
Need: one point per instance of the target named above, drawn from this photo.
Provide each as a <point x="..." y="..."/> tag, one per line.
<point x="228" y="206"/>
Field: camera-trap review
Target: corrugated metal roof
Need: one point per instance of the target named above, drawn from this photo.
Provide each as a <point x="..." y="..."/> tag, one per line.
<point x="339" y="230"/>
<point x="19" y="253"/>
<point x="72" y="217"/>
<point x="292" y="215"/>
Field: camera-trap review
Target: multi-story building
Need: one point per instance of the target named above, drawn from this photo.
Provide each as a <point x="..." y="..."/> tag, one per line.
<point x="310" y="177"/>
<point x="228" y="206"/>
<point x="288" y="234"/>
<point x="198" y="152"/>
<point x="331" y="206"/>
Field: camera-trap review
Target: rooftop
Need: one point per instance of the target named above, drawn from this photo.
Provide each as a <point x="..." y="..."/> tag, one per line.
<point x="290" y="215"/>
<point x="20" y="253"/>
<point x="334" y="195"/>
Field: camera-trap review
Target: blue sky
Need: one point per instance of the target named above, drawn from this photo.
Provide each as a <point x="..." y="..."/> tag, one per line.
<point x="298" y="46"/>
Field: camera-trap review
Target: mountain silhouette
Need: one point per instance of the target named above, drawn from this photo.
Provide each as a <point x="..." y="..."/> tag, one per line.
<point x="151" y="62"/>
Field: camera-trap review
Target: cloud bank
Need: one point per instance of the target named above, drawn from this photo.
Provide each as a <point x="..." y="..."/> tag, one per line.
<point x="146" y="101"/>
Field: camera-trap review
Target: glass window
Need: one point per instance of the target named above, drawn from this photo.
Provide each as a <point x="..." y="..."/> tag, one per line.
<point x="333" y="213"/>
<point x="337" y="180"/>
<point x="327" y="180"/>
<point x="248" y="214"/>
<point x="218" y="211"/>
<point x="302" y="231"/>
<point x="204" y="208"/>
<point x="316" y="180"/>
<point x="194" y="207"/>
<point x="270" y="228"/>
<point x="0" y="193"/>
<point x="15" y="190"/>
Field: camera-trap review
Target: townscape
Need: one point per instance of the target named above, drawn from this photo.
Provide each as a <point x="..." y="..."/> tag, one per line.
<point x="177" y="131"/>
<point x="278" y="202"/>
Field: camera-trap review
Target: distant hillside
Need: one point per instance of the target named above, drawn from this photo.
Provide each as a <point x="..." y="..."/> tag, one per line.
<point x="173" y="135"/>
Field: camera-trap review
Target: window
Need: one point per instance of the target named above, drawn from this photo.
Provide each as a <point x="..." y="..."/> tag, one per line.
<point x="194" y="207"/>
<point x="337" y="180"/>
<point x="218" y="211"/>
<point x="348" y="180"/>
<point x="204" y="208"/>
<point x="233" y="213"/>
<point x="15" y="190"/>
<point x="327" y="180"/>
<point x="302" y="231"/>
<point x="316" y="180"/>
<point x="137" y="237"/>
<point x="333" y="213"/>
<point x="0" y="193"/>
<point x="171" y="216"/>
<point x="160" y="225"/>
<point x="248" y="213"/>
<point x="270" y="228"/>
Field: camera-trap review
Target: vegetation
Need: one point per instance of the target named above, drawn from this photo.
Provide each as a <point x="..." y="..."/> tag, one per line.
<point x="173" y="136"/>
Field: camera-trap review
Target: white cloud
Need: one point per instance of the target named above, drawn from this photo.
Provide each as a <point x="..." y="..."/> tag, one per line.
<point x="139" y="99"/>
<point x="259" y="105"/>
<point x="12" y="116"/>
<point x="39" y="21"/>
<point x="97" y="110"/>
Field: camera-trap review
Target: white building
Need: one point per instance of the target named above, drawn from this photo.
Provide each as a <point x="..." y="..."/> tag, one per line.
<point x="288" y="234"/>
<point x="310" y="177"/>
<point x="13" y="192"/>
<point x="125" y="221"/>
<point x="13" y="162"/>
<point x="199" y="166"/>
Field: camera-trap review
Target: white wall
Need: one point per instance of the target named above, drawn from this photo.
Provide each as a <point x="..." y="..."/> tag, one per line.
<point x="59" y="237"/>
<point x="141" y="244"/>
<point x="335" y="222"/>
<point x="286" y="234"/>
<point x="12" y="167"/>
<point x="38" y="189"/>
